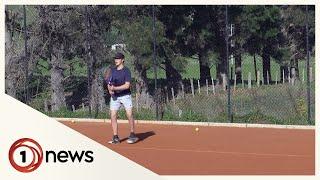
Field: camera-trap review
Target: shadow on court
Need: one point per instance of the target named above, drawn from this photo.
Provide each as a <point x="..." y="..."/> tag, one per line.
<point x="142" y="136"/>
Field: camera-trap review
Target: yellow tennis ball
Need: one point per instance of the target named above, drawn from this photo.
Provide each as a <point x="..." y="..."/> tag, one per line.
<point x="197" y="129"/>
<point x="72" y="121"/>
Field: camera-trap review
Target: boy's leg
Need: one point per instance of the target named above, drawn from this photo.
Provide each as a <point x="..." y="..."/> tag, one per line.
<point x="132" y="137"/>
<point x="127" y="103"/>
<point x="114" y="124"/>
<point x="114" y="107"/>
<point x="130" y="119"/>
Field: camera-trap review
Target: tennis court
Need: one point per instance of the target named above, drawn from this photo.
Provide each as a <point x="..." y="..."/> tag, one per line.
<point x="180" y="150"/>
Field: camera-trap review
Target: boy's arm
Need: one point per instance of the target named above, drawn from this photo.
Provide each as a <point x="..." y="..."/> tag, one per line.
<point x="110" y="89"/>
<point x="125" y="86"/>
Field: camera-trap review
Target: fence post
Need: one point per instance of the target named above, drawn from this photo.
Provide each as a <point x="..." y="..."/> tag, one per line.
<point x="45" y="105"/>
<point x="167" y="94"/>
<point x="182" y="88"/>
<point x="199" y="86"/>
<point x="293" y="76"/>
<point x="258" y="78"/>
<point x="283" y="76"/>
<point x="224" y="81"/>
<point x="311" y="79"/>
<point x="83" y="109"/>
<point x="242" y="81"/>
<point x="73" y="108"/>
<point x="235" y="82"/>
<point x="249" y="80"/>
<point x="268" y="80"/>
<point x="289" y="75"/>
<point x="192" y="87"/>
<point x="147" y="99"/>
<point x="207" y="87"/>
<point x="213" y="90"/>
<point x="173" y="98"/>
<point x="179" y="113"/>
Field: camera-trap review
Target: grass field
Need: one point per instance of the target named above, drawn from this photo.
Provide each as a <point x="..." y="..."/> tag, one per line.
<point x="273" y="104"/>
<point x="192" y="70"/>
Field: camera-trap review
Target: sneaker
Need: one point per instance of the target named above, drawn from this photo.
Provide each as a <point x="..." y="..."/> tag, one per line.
<point x="132" y="138"/>
<point x="115" y="140"/>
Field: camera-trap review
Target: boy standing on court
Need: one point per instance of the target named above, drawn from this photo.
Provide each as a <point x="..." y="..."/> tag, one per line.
<point x="119" y="89"/>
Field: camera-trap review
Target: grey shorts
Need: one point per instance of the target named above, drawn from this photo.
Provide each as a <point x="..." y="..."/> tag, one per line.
<point x="126" y="101"/>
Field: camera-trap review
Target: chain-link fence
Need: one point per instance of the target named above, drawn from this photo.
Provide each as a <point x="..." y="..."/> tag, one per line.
<point x="279" y="102"/>
<point x="186" y="61"/>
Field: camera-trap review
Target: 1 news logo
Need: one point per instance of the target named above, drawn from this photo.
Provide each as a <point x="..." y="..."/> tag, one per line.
<point x="23" y="146"/>
<point x="26" y="155"/>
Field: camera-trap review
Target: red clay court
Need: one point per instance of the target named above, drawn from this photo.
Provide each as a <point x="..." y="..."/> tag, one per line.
<point x="180" y="150"/>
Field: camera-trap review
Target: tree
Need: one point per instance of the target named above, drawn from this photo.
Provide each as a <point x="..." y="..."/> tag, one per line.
<point x="196" y="37"/>
<point x="135" y="24"/>
<point x="294" y="31"/>
<point x="16" y="58"/>
<point x="174" y="20"/>
<point x="263" y="25"/>
<point x="11" y="54"/>
<point x="59" y="32"/>
<point x="97" y="23"/>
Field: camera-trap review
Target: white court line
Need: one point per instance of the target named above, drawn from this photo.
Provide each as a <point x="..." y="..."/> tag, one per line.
<point x="217" y="152"/>
<point x="213" y="124"/>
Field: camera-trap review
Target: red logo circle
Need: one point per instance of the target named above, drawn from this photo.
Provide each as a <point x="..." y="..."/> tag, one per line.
<point x="36" y="150"/>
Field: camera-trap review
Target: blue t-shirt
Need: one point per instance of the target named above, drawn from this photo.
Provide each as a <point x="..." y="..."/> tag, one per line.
<point x="118" y="78"/>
